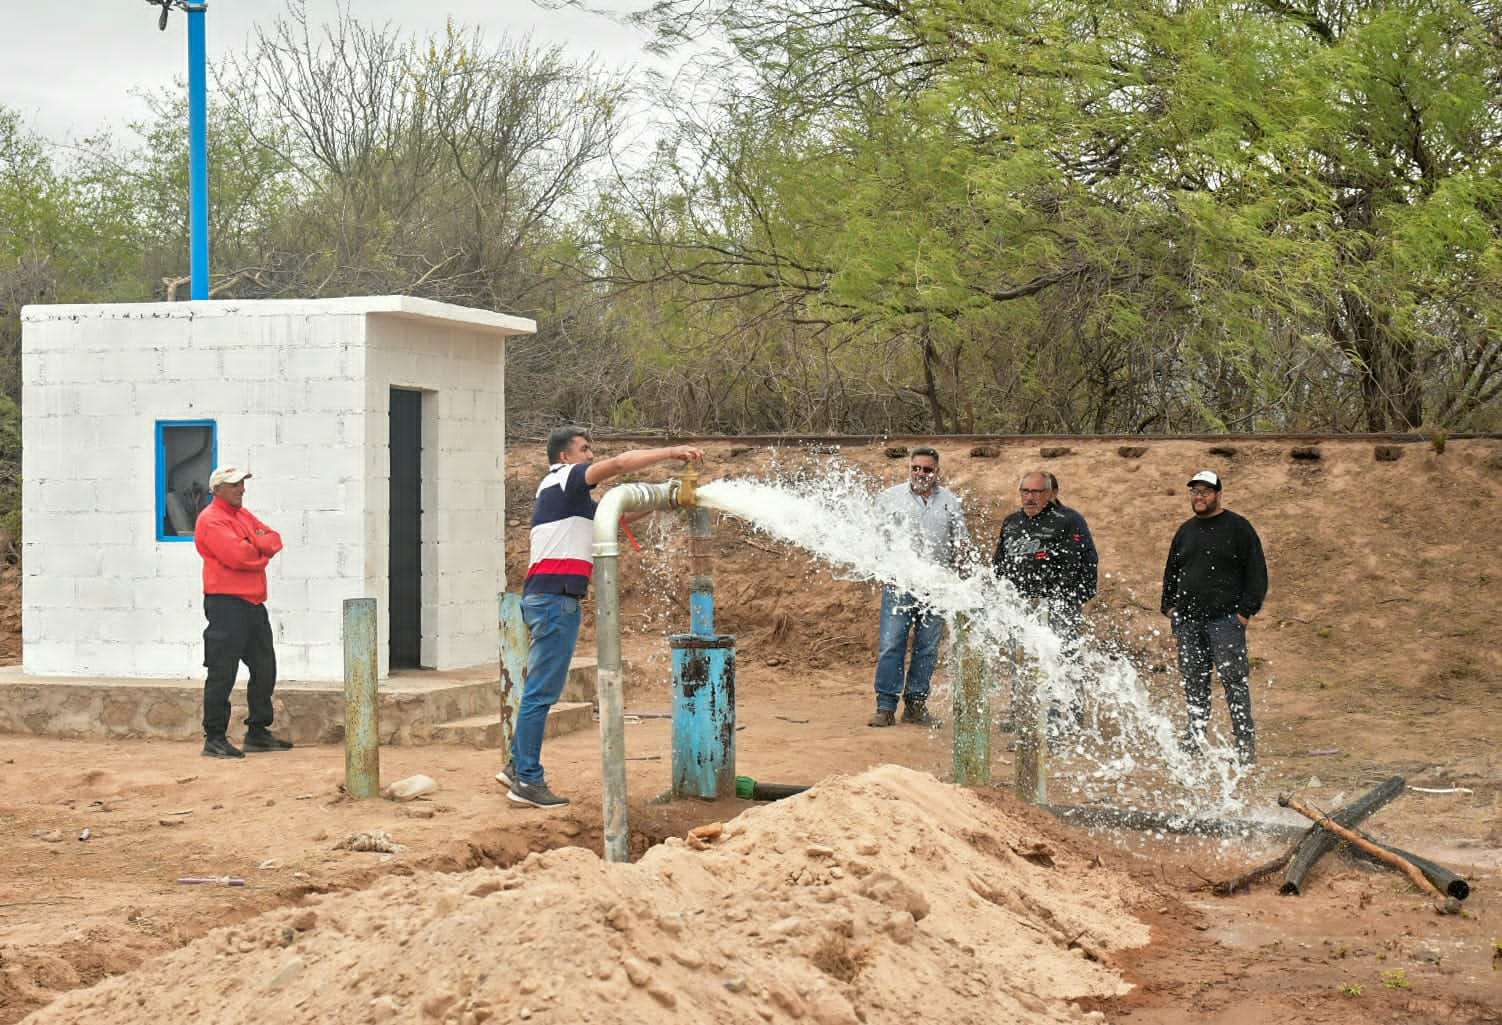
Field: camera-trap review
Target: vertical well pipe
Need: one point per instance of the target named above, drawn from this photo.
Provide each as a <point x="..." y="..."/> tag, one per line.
<point x="198" y="155"/>
<point x="701" y="580"/>
<point x="703" y="684"/>
<point x="972" y="709"/>
<point x="362" y="753"/>
<point x="612" y="707"/>
<point x="703" y="716"/>
<point x="606" y="550"/>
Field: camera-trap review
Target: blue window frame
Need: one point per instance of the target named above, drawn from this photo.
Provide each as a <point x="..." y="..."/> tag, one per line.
<point x="186" y="451"/>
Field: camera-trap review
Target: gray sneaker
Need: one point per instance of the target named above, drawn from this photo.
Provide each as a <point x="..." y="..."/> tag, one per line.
<point x="507" y="776"/>
<point x="535" y="794"/>
<point x="883" y="717"/>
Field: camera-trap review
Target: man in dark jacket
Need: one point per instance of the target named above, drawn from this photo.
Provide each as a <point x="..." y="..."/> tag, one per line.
<point x="1046" y="551"/>
<point x="1213" y="584"/>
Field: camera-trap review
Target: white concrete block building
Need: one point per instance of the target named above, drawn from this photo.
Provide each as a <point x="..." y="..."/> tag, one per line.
<point x="374" y="429"/>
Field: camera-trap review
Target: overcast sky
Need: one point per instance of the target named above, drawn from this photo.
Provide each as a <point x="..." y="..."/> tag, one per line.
<point x="68" y="67"/>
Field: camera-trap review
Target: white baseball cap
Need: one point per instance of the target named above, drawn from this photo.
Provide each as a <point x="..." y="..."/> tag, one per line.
<point x="1205" y="477"/>
<point x="227" y="475"/>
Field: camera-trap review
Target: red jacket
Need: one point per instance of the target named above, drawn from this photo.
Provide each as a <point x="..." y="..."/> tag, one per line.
<point x="236" y="548"/>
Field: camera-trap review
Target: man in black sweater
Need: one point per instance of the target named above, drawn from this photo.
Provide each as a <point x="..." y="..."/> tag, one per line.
<point x="1046" y="551"/>
<point x="1213" y="584"/>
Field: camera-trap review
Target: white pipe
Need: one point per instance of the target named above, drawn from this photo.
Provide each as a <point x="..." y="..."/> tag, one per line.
<point x="617" y="502"/>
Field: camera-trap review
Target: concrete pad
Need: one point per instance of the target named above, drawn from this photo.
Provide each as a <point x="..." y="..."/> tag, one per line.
<point x="412" y="703"/>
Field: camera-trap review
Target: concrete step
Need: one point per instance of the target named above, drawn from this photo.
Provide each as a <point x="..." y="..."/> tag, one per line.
<point x="413" y="704"/>
<point x="484" y="731"/>
<point x="583" y="680"/>
<point x="574" y="711"/>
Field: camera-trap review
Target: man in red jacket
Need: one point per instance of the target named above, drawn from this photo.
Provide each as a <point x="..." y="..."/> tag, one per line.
<point x="236" y="548"/>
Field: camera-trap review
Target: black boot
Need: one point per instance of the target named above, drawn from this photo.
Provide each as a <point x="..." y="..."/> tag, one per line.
<point x="1246" y="750"/>
<point x="916" y="713"/>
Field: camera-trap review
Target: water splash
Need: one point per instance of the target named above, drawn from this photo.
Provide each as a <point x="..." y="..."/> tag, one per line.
<point x="1127" y="754"/>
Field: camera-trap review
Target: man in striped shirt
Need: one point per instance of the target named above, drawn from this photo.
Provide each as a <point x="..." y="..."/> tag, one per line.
<point x="557" y="578"/>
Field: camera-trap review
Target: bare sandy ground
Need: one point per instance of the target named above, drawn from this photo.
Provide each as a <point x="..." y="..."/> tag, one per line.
<point x="885" y="894"/>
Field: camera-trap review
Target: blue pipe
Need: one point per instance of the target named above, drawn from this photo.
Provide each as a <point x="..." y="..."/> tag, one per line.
<point x="703" y="684"/>
<point x="701" y="613"/>
<point x="198" y="154"/>
<point x="701" y="581"/>
<point x="703" y="716"/>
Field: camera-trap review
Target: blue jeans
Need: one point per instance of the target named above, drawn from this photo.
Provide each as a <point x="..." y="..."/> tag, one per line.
<point x="553" y="622"/>
<point x="902" y="615"/>
<point x="1220" y="642"/>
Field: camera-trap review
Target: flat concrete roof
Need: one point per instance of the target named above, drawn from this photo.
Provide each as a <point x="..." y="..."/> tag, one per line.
<point x="403" y="306"/>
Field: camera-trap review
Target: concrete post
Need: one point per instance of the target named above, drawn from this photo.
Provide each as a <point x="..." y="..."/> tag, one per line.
<point x="972" y="709"/>
<point x="1030" y="716"/>
<point x="362" y="753"/>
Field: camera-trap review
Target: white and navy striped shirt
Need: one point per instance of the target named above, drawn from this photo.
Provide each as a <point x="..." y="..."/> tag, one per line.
<point x="562" y="533"/>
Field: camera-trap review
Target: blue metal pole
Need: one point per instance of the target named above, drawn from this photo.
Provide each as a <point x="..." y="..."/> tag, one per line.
<point x="198" y="154"/>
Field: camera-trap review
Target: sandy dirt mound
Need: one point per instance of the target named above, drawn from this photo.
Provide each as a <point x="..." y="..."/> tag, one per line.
<point x="875" y="898"/>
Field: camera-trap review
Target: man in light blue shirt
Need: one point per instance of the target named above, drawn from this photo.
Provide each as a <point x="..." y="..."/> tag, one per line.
<point x="930" y="518"/>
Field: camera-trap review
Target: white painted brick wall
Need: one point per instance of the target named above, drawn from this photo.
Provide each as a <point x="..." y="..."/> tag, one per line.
<point x="299" y="392"/>
<point x="251" y="365"/>
<point x="332" y="594"/>
<point x="176" y="399"/>
<point x="109" y="591"/>
<point x="178" y="660"/>
<point x="315" y="363"/>
<point x="194" y="366"/>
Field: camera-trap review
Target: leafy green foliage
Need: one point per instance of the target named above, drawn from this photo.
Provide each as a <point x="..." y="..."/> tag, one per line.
<point x="10" y="479"/>
<point x="1104" y="216"/>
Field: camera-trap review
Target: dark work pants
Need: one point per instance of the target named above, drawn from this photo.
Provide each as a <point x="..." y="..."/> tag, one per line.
<point x="1220" y="643"/>
<point x="1067" y="621"/>
<point x="238" y="631"/>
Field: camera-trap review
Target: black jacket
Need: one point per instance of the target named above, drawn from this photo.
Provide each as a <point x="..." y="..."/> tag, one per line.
<point x="1051" y="555"/>
<point x="1215" y="567"/>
